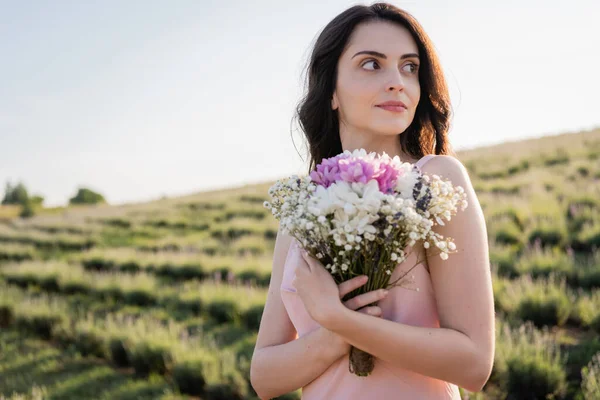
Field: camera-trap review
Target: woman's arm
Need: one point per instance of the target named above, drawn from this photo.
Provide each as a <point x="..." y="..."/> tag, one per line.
<point x="461" y="351"/>
<point x="283" y="368"/>
<point x="281" y="362"/>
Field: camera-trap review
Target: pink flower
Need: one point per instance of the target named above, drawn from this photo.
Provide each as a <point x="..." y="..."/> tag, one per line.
<point x="356" y="170"/>
<point x="386" y="177"/>
<point x="358" y="167"/>
<point x="328" y="171"/>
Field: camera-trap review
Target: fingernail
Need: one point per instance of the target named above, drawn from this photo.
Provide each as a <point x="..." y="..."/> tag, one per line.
<point x="385" y="292"/>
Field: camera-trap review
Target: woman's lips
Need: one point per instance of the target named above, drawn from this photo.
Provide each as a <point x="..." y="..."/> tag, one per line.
<point x="393" y="108"/>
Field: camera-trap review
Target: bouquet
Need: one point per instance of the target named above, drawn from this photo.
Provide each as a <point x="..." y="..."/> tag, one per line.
<point x="357" y="213"/>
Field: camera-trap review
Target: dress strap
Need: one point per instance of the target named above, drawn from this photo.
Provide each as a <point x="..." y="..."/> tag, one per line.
<point x="423" y="160"/>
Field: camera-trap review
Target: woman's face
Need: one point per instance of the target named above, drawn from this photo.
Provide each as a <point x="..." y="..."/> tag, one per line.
<point x="366" y="80"/>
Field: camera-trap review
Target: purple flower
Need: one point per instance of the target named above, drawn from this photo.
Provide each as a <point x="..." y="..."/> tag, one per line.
<point x="386" y="177"/>
<point x="328" y="171"/>
<point x="356" y="170"/>
<point x="357" y="167"/>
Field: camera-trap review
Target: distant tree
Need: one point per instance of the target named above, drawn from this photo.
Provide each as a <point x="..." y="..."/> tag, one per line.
<point x="27" y="210"/>
<point x="15" y="194"/>
<point x="87" y="196"/>
<point x="37" y="200"/>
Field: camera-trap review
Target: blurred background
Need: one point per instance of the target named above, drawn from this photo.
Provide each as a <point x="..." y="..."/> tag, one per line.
<point x="138" y="140"/>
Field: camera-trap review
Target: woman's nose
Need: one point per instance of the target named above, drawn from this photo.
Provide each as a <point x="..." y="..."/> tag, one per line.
<point x="395" y="81"/>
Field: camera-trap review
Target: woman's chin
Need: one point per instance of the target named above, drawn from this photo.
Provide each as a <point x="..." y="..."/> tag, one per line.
<point x="390" y="130"/>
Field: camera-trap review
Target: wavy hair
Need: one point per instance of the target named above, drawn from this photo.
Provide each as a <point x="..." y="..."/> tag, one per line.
<point x="428" y="132"/>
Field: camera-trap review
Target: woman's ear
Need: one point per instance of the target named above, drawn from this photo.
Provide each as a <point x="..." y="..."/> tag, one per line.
<point x="334" y="104"/>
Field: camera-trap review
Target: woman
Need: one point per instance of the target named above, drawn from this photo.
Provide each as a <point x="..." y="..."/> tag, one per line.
<point x="376" y="83"/>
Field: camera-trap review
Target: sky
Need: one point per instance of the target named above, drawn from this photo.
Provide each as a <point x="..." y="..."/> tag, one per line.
<point x="143" y="99"/>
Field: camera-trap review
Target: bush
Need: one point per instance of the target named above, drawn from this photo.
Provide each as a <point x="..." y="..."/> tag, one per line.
<point x="90" y="344"/>
<point x="7" y="315"/>
<point x="590" y="379"/>
<point x="580" y="355"/>
<point x="533" y="378"/>
<point x="528" y="363"/>
<point x="550" y="309"/>
<point x="543" y="262"/>
<point x="147" y="358"/>
<point x="251" y="318"/>
<point x="39" y="325"/>
<point x="548" y="236"/>
<point x="49" y="283"/>
<point x="227" y="334"/>
<point x="190" y="376"/>
<point x="505" y="258"/>
<point x="118" y="352"/>
<point x="223" y="311"/>
<point x="27" y="210"/>
<point x="232" y="386"/>
<point x="86" y="196"/>
<point x="588" y="278"/>
<point x="191" y="305"/>
<point x="98" y="264"/>
<point x="585" y="310"/>
<point x="140" y="297"/>
<point x="74" y="287"/>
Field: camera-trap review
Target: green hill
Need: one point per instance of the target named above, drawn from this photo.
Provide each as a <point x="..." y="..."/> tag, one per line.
<point x="166" y="296"/>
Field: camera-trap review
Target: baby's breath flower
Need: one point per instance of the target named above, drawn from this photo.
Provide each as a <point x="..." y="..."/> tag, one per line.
<point x="350" y="217"/>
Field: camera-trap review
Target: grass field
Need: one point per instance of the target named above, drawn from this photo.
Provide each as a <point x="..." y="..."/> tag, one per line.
<point x="162" y="300"/>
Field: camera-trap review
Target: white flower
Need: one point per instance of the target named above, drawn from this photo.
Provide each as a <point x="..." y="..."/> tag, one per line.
<point x="320" y="202"/>
<point x="406" y="183"/>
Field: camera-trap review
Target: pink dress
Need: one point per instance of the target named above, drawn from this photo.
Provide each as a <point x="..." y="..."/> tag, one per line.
<point x="386" y="382"/>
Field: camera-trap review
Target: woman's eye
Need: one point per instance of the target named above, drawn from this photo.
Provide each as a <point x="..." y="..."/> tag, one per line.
<point x="415" y="67"/>
<point x="370" y="61"/>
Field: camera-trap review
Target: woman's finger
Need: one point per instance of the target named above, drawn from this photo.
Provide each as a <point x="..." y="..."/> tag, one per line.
<point x="365" y="299"/>
<point x="308" y="260"/>
<point x="372" y="310"/>
<point x="351" y="284"/>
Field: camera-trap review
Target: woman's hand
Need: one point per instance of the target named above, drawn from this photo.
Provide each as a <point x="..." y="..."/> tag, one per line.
<point x="357" y="303"/>
<point x="322" y="296"/>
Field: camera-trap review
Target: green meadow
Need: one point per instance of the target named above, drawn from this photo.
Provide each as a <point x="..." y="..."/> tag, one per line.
<point x="163" y="300"/>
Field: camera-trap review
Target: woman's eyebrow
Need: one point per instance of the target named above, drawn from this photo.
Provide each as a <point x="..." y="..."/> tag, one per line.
<point x="381" y="55"/>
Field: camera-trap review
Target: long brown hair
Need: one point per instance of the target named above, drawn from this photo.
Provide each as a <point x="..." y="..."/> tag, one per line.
<point x="428" y="132"/>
